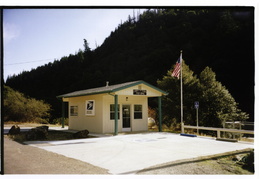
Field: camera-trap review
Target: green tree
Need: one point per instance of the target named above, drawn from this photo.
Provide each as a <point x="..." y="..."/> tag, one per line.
<point x="221" y="38"/>
<point x="86" y="46"/>
<point x="216" y="103"/>
<point x="171" y="102"/>
<point x="19" y="108"/>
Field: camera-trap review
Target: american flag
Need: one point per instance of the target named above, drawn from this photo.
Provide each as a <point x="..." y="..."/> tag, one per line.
<point x="177" y="69"/>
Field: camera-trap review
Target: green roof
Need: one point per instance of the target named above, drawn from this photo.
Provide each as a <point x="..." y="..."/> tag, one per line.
<point x="108" y="89"/>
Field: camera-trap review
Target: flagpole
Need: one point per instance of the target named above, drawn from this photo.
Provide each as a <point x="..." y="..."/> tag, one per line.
<point x="182" y="125"/>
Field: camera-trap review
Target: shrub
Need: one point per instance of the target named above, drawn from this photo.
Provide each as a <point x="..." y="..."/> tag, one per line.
<point x="19" y="108"/>
<point x="249" y="162"/>
<point x="59" y="121"/>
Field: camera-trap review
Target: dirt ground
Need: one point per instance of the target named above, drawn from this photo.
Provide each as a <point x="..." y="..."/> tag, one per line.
<point x="211" y="165"/>
<point x="24" y="159"/>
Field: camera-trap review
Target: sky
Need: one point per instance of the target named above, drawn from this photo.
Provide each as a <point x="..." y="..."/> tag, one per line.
<point x="34" y="37"/>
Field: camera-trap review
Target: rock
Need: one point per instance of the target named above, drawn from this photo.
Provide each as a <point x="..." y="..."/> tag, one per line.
<point x="44" y="127"/>
<point x="81" y="134"/>
<point x="151" y="123"/>
<point x="37" y="133"/>
<point x="15" y="129"/>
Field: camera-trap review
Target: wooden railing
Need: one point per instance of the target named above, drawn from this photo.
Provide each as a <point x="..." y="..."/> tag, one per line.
<point x="219" y="130"/>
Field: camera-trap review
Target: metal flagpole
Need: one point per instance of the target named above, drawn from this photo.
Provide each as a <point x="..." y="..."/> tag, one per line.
<point x="182" y="125"/>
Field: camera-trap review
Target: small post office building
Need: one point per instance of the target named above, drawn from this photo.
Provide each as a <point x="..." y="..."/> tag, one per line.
<point x="112" y="109"/>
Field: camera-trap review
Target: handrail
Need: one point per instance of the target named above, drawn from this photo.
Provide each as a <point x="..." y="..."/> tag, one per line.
<point x="220" y="129"/>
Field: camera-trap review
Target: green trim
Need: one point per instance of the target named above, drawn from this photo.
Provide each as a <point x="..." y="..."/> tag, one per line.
<point x="63" y="114"/>
<point x="111" y="90"/>
<point x="138" y="83"/>
<point x="127" y="86"/>
<point x="151" y="86"/>
<point x="116" y="115"/>
<point x="85" y="94"/>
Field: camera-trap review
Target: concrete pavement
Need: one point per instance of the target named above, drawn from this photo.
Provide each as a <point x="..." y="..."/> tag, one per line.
<point x="128" y="154"/>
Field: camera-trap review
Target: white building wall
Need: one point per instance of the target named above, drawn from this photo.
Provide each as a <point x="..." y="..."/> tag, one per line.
<point x="108" y="125"/>
<point x="82" y="121"/>
<point x="136" y="124"/>
<point x="150" y="91"/>
<point x="101" y="122"/>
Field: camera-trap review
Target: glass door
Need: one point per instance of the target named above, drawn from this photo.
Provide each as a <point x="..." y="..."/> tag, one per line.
<point x="126" y="117"/>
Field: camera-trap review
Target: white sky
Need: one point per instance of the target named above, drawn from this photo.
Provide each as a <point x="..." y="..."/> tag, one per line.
<point x="34" y="37"/>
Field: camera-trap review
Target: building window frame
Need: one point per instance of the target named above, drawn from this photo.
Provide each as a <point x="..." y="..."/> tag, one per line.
<point x="112" y="112"/>
<point x="138" y="111"/>
<point x="74" y="110"/>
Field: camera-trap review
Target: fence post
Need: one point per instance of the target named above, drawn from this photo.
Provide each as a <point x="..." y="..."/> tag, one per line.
<point x="218" y="133"/>
<point x="182" y="127"/>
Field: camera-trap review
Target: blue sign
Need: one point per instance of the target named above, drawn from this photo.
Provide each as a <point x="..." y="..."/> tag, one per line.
<point x="196" y="104"/>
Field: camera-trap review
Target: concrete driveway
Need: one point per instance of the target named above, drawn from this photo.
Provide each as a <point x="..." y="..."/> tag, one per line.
<point x="127" y="154"/>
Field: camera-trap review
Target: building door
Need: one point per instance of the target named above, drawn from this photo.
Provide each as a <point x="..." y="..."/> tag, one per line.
<point x="126" y="118"/>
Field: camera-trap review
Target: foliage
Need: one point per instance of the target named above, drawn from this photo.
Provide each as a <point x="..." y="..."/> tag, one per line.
<point x="151" y="113"/>
<point x="218" y="106"/>
<point x="18" y="107"/>
<point x="249" y="162"/>
<point x="58" y="121"/>
<point x="144" y="48"/>
<point x="171" y="102"/>
<point x="216" y="103"/>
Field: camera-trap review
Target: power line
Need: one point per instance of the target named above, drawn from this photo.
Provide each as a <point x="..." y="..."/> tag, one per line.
<point x="26" y="62"/>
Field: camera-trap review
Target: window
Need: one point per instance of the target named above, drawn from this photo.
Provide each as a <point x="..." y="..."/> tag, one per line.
<point x="73" y="110"/>
<point x="112" y="111"/>
<point x="138" y="112"/>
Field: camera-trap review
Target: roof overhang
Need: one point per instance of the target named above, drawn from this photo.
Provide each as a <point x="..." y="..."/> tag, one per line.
<point x="109" y="89"/>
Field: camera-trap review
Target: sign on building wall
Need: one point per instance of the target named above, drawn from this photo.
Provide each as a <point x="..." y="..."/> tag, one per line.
<point x="139" y="92"/>
<point x="90" y="107"/>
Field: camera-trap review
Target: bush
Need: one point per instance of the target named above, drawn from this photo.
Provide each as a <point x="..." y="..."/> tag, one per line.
<point x="19" y="108"/>
<point x="41" y="121"/>
<point x="59" y="121"/>
<point x="249" y="162"/>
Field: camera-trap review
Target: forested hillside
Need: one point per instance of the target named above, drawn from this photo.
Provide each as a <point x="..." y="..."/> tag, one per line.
<point x="146" y="46"/>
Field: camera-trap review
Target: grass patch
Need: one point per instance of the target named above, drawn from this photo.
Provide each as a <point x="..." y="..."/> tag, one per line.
<point x="229" y="163"/>
<point x="52" y="135"/>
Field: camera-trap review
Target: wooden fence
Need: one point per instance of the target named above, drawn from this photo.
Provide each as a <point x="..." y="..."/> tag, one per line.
<point x="219" y="130"/>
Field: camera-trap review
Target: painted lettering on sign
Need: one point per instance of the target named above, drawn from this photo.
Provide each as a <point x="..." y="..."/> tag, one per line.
<point x="139" y="92"/>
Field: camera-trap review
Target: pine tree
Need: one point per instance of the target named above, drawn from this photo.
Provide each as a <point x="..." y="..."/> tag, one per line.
<point x="171" y="102"/>
<point x="216" y="103"/>
<point x="86" y="46"/>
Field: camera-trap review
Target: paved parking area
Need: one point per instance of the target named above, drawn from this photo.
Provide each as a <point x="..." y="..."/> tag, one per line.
<point x="127" y="154"/>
